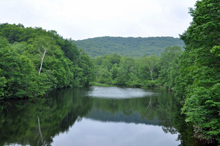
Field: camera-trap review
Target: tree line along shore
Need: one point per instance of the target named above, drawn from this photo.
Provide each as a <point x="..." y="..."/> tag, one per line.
<point x="34" y="62"/>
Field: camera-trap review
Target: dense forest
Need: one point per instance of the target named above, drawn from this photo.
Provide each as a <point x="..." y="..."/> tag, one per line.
<point x="198" y="82"/>
<point x="130" y="47"/>
<point x="148" y="71"/>
<point x="34" y="61"/>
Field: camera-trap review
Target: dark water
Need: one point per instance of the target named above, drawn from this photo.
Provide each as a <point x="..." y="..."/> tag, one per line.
<point x="96" y="116"/>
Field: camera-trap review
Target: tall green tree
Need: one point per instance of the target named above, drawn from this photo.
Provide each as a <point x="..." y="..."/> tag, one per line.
<point x="85" y="71"/>
<point x="149" y="67"/>
<point x="124" y="71"/>
<point x="199" y="80"/>
<point x="169" y="66"/>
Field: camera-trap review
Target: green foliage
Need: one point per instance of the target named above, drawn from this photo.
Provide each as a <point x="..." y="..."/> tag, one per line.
<point x="70" y="51"/>
<point x="34" y="61"/>
<point x="169" y="63"/>
<point x="215" y="50"/>
<point x="149" y="67"/>
<point x="85" y="72"/>
<point x="3" y="82"/>
<point x="131" y="47"/>
<point x="149" y="71"/>
<point x="124" y="71"/>
<point x="10" y="65"/>
<point x="198" y="82"/>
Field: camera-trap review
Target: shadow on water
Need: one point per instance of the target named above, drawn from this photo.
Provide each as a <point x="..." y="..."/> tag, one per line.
<point x="38" y="121"/>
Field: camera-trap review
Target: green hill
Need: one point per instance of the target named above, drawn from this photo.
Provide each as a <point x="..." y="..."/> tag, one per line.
<point x="132" y="47"/>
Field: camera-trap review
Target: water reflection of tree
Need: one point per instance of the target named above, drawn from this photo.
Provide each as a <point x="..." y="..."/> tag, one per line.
<point x="164" y="106"/>
<point x="36" y="122"/>
<point x="148" y="107"/>
<point x="177" y="120"/>
<point x="19" y="120"/>
<point x="165" y="110"/>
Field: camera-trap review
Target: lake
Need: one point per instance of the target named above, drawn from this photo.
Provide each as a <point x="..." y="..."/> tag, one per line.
<point x="96" y="116"/>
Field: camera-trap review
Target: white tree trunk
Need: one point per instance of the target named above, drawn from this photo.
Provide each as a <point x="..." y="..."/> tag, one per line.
<point x="149" y="105"/>
<point x="39" y="128"/>
<point x="151" y="69"/>
<point x="42" y="60"/>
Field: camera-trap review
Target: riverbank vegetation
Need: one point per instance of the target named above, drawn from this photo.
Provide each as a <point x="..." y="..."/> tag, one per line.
<point x="34" y="61"/>
<point x="198" y="82"/>
<point x="148" y="71"/>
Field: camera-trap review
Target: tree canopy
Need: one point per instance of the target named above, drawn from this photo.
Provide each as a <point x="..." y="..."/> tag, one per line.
<point x="147" y="71"/>
<point x="199" y="81"/>
<point x="34" y="61"/>
<point x="130" y="47"/>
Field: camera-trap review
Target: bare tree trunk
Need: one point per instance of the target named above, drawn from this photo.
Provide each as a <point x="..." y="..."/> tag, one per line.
<point x="151" y="74"/>
<point x="151" y="69"/>
<point x="39" y="128"/>
<point x="42" y="60"/>
<point x="149" y="105"/>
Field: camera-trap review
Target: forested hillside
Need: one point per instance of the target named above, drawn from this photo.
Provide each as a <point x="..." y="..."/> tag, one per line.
<point x="34" y="61"/>
<point x="130" y="47"/>
<point x="145" y="71"/>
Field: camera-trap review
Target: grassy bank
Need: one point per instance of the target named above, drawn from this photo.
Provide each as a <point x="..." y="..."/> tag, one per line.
<point x="103" y="85"/>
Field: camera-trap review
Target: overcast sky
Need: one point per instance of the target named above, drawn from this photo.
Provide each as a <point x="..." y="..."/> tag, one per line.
<point x="81" y="19"/>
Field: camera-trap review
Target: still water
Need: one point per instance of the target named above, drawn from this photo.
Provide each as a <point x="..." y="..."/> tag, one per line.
<point x="95" y="116"/>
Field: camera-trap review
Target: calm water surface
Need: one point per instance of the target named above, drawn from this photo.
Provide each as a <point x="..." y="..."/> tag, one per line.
<point x="95" y="116"/>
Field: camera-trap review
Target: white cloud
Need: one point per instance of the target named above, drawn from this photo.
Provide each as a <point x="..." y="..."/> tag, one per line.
<point x="85" y="18"/>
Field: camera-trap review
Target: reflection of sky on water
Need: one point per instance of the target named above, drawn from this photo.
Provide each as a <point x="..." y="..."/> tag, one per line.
<point x="95" y="133"/>
<point x="116" y="92"/>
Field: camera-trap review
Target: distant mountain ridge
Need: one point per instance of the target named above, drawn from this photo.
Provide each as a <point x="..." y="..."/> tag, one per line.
<point x="127" y="46"/>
